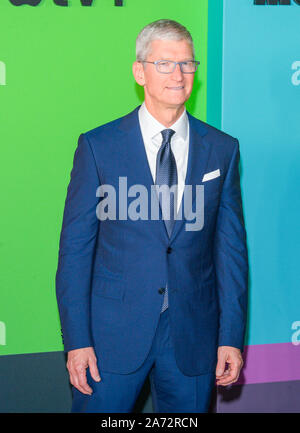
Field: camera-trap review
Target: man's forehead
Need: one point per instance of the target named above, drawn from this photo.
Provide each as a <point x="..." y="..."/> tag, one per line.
<point x="167" y="49"/>
<point x="170" y="43"/>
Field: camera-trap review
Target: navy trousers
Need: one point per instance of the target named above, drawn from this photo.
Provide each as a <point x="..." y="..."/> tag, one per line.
<point x="172" y="391"/>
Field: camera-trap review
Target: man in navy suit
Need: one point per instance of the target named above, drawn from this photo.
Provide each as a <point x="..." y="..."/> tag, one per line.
<point x="155" y="293"/>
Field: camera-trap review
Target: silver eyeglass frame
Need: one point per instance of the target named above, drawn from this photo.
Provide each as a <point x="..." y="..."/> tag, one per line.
<point x="197" y="63"/>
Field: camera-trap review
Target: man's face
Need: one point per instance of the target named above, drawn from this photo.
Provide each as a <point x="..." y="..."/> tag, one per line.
<point x="166" y="90"/>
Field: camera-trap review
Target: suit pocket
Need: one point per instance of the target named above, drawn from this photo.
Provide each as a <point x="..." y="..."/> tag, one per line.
<point x="108" y="287"/>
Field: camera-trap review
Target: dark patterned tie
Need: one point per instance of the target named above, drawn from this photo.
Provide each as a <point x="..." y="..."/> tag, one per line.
<point x="166" y="174"/>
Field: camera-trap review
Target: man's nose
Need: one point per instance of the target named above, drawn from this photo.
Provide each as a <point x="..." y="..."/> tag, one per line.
<point x="177" y="74"/>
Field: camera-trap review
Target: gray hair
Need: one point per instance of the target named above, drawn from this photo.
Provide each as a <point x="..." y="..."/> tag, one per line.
<point x="162" y="30"/>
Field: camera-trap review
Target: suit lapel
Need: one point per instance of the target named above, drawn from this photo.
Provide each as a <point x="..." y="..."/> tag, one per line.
<point x="135" y="155"/>
<point x="139" y="170"/>
<point x="199" y="152"/>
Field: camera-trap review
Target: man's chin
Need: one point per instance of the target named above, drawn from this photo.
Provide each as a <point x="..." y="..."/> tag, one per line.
<point x="176" y="103"/>
<point x="176" y="100"/>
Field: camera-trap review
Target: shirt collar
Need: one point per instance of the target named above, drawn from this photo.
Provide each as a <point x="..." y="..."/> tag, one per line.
<point x="152" y="127"/>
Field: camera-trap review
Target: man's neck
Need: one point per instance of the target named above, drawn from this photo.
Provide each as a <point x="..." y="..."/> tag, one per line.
<point x="167" y="116"/>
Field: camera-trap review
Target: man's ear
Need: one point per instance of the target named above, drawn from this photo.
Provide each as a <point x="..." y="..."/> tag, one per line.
<point x="138" y="72"/>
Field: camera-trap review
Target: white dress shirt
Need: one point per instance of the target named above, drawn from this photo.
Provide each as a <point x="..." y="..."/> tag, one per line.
<point x="151" y="132"/>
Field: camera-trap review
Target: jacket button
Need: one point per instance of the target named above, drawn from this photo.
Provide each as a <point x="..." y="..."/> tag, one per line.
<point x="161" y="290"/>
<point x="169" y="250"/>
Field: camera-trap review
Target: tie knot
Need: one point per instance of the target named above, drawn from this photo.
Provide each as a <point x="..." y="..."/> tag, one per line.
<point x="167" y="135"/>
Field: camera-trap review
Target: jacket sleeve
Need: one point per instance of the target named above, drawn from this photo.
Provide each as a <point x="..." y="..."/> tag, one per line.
<point x="231" y="259"/>
<point x="76" y="249"/>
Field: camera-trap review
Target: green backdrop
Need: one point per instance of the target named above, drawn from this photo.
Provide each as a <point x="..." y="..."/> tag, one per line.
<point x="68" y="70"/>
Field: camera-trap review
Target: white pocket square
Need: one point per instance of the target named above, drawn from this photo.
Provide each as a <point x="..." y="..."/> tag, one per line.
<point x="211" y="175"/>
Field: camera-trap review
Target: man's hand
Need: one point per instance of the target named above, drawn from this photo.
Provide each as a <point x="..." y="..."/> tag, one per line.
<point x="78" y="361"/>
<point x="233" y="357"/>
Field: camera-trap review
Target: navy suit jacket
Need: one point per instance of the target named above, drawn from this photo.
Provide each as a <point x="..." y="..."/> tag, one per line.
<point x="110" y="272"/>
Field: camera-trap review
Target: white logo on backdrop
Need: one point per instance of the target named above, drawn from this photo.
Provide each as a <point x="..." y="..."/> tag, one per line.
<point x="296" y="75"/>
<point x="2" y="74"/>
<point x="2" y="334"/>
<point x="296" y="335"/>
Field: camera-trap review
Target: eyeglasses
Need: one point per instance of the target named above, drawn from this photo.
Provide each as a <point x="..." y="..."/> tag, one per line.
<point x="168" y="66"/>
